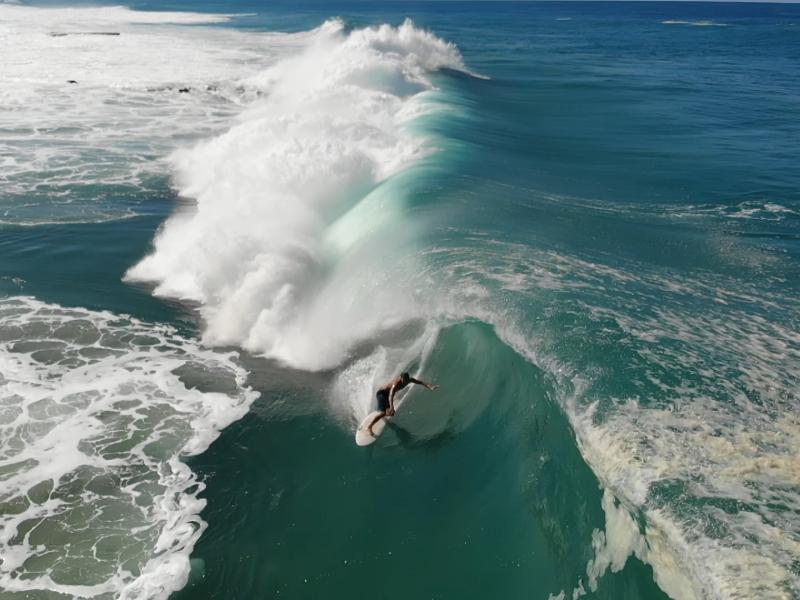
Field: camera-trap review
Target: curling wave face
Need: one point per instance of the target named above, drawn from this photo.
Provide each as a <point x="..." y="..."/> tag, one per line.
<point x="683" y="407"/>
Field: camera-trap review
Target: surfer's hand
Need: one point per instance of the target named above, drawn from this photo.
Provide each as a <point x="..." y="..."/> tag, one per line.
<point x="433" y="386"/>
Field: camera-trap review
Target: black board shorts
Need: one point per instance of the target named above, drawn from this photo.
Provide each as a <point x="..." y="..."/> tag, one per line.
<point x="383" y="400"/>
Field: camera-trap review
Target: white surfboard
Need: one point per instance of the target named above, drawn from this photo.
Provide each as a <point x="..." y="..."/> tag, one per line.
<point x="363" y="438"/>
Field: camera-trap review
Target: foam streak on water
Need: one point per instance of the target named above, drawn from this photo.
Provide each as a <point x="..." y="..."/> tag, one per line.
<point x="96" y="410"/>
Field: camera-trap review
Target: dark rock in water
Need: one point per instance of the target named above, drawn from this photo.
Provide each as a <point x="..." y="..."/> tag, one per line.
<point x="71" y="81"/>
<point x="184" y="90"/>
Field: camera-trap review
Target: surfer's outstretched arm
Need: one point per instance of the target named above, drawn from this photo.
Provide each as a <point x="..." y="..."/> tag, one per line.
<point x="430" y="386"/>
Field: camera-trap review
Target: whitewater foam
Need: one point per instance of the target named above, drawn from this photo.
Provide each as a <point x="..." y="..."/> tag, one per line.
<point x="693" y="440"/>
<point x="88" y="119"/>
<point x="707" y="459"/>
<point x="277" y="249"/>
<point x="96" y="410"/>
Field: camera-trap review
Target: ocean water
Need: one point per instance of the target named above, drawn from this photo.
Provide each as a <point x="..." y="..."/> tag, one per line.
<point x="224" y="225"/>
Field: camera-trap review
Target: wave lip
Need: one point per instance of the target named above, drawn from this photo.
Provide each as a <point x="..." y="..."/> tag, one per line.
<point x="96" y="410"/>
<point x="274" y="248"/>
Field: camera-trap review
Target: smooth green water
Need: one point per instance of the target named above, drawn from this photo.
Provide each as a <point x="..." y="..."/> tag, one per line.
<point x="505" y="502"/>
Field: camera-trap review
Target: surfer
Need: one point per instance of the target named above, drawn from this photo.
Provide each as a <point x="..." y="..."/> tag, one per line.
<point x="385" y="396"/>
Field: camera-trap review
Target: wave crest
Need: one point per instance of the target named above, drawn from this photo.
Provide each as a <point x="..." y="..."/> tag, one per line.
<point x="274" y="247"/>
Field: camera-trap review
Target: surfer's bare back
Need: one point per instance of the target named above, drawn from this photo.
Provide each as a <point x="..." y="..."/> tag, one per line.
<point x="385" y="396"/>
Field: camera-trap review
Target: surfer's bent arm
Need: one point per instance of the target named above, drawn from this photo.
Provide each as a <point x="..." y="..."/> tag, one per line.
<point x="430" y="386"/>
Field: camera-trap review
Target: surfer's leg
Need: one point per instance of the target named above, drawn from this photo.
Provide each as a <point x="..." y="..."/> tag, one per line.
<point x="383" y="405"/>
<point x="375" y="420"/>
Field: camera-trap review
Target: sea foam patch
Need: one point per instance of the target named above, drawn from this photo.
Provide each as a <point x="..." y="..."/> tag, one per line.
<point x="96" y="410"/>
<point x="702" y="443"/>
<point x="95" y="98"/>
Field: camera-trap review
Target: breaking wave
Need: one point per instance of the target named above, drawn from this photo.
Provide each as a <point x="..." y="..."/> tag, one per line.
<point x="298" y="209"/>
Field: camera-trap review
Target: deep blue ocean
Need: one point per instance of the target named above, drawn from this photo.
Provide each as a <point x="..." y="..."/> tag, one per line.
<point x="224" y="225"/>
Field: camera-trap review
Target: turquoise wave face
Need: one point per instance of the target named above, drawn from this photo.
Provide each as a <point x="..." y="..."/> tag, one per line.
<point x="474" y="488"/>
<point x="581" y="221"/>
<point x="593" y="203"/>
